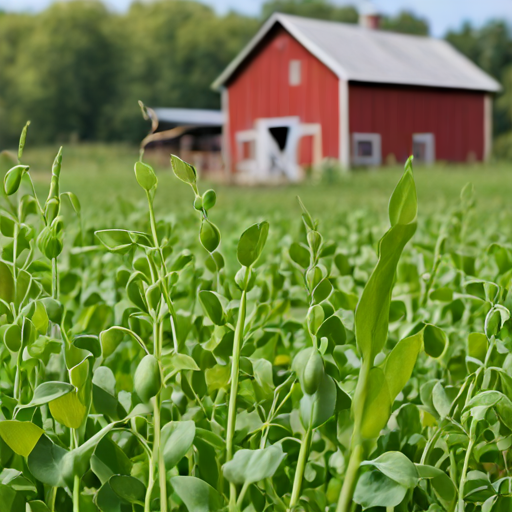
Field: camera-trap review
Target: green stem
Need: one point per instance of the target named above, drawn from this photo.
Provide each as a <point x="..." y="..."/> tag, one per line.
<point x="472" y="434"/>
<point x="349" y="484"/>
<point x="235" y="369"/>
<point x="242" y="494"/>
<point x="76" y="478"/>
<point x="357" y="447"/>
<point x="17" y="378"/>
<point x="157" y="450"/>
<point x="51" y="499"/>
<point x="301" y="466"/>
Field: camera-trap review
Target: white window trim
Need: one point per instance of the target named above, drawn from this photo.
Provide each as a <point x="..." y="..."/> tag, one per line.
<point x="294" y="72"/>
<point x="430" y="143"/>
<point x="376" y="157"/>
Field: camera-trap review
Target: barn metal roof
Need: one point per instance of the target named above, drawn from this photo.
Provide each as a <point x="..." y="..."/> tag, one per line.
<point x="190" y="116"/>
<point x="360" y="54"/>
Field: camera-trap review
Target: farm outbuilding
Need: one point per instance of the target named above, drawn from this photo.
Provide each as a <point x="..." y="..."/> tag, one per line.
<point x="304" y="90"/>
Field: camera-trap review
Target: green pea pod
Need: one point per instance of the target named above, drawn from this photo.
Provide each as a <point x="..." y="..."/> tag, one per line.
<point x="313" y="373"/>
<point x="50" y="239"/>
<point x="12" y="179"/>
<point x="147" y="380"/>
<point x="55" y="183"/>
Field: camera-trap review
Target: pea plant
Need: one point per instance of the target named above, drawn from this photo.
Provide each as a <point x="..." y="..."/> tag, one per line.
<point x="171" y="363"/>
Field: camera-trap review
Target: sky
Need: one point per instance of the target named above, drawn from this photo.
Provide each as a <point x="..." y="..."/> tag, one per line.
<point x="441" y="14"/>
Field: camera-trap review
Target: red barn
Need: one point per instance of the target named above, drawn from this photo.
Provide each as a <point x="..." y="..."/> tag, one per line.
<point x="303" y="90"/>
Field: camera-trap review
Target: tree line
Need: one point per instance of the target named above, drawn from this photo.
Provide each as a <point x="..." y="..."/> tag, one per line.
<point x="77" y="69"/>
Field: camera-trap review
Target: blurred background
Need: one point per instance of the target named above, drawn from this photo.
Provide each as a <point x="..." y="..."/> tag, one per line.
<point x="77" y="68"/>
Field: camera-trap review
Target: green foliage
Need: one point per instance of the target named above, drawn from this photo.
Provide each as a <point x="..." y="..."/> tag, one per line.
<point x="304" y="367"/>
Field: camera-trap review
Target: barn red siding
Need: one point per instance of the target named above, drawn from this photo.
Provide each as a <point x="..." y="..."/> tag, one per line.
<point x="260" y="89"/>
<point x="455" y="117"/>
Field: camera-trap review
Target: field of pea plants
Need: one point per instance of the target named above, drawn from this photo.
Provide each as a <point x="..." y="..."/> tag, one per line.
<point x="165" y="349"/>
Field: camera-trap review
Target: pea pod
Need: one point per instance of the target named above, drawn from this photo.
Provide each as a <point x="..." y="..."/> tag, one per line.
<point x="147" y="380"/>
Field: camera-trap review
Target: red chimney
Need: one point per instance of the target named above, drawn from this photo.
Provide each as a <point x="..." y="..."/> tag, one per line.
<point x="369" y="17"/>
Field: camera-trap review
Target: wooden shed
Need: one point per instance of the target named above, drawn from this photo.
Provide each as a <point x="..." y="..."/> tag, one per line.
<point x="303" y="90"/>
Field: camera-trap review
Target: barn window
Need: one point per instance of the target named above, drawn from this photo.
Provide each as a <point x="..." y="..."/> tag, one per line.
<point x="294" y="72"/>
<point x="366" y="149"/>
<point x="423" y="148"/>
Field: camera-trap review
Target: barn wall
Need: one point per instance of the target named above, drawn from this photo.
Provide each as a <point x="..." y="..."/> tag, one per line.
<point x="396" y="112"/>
<point x="261" y="89"/>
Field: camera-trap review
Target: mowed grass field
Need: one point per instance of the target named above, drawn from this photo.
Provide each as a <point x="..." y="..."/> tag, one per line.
<point x="102" y="176"/>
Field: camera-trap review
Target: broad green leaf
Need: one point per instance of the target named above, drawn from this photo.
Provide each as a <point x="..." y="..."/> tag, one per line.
<point x="477" y="345"/>
<point x="434" y="340"/>
<point x="68" y="410"/>
<point x="48" y="391"/>
<point x="334" y="330"/>
<point x="372" y="312"/>
<point x="212" y="304"/>
<point x="377" y="406"/>
<point x="396" y="466"/>
<point x="197" y="495"/>
<point x="374" y="489"/>
<point x="440" y="400"/>
<point x="403" y="205"/>
<point x="251" y="243"/>
<point x="20" y="436"/>
<point x="45" y="462"/>
<point x="128" y="488"/>
<point x="108" y="460"/>
<point x="300" y="255"/>
<point x="185" y="172"/>
<point x="251" y="466"/>
<point x="145" y="175"/>
<point x="400" y="363"/>
<point x="177" y="439"/>
<point x="12" y="337"/>
<point x="115" y="240"/>
<point x="209" y="235"/>
<point x="6" y="282"/>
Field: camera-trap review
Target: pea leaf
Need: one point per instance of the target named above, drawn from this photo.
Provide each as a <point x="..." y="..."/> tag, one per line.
<point x="251" y="243"/>
<point x="400" y="363"/>
<point x="212" y="304"/>
<point x="374" y="489"/>
<point x="177" y="439"/>
<point x="434" y="340"/>
<point x="197" y="495"/>
<point x="48" y="391"/>
<point x="396" y="466"/>
<point x="128" y="488"/>
<point x="372" y="313"/>
<point x="20" y="436"/>
<point x="183" y="171"/>
<point x="251" y="466"/>
<point x="377" y="406"/>
<point x="145" y="175"/>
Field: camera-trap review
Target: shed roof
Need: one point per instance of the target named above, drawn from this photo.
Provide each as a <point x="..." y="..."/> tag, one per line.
<point x="360" y="54"/>
<point x="190" y="116"/>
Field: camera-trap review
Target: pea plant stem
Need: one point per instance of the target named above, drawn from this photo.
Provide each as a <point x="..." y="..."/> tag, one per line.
<point x="357" y="446"/>
<point x="235" y="370"/>
<point x="301" y="466"/>
<point x="472" y="437"/>
<point x="76" y="479"/>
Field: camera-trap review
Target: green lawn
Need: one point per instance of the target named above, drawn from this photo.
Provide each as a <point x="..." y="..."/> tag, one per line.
<point x="99" y="174"/>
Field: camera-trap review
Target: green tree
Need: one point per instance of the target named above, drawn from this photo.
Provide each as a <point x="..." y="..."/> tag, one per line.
<point x="321" y="9"/>
<point x="490" y="47"/>
<point x="65" y="72"/>
<point x="406" y="23"/>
